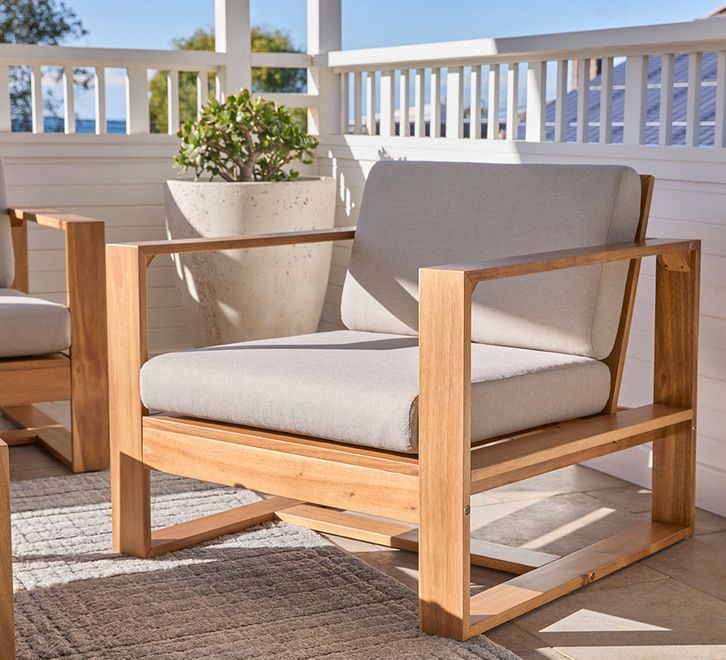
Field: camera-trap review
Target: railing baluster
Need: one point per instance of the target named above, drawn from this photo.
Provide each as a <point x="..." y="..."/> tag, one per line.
<point x="493" y="107"/>
<point x="561" y="102"/>
<point x="606" y="101"/>
<point x="720" y="132"/>
<point x="419" y="94"/>
<point x="693" y="100"/>
<point x="388" y="97"/>
<point x="137" y="100"/>
<point x="435" y="129"/>
<point x="344" y="101"/>
<point x="69" y="108"/>
<point x="357" y="102"/>
<point x="202" y="91"/>
<point x="536" y="100"/>
<point x="404" y="126"/>
<point x="36" y="98"/>
<point x="512" y="100"/>
<point x="371" y="103"/>
<point x="665" y="115"/>
<point x="636" y="79"/>
<point x="5" y="118"/>
<point x="219" y="85"/>
<point x="455" y="102"/>
<point x="475" y="103"/>
<point x="100" y="99"/>
<point x="172" y="101"/>
<point x="583" y="101"/>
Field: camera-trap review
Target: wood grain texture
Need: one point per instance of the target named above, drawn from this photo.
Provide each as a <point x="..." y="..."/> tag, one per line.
<point x="52" y="435"/>
<point x="444" y="451"/>
<point x="153" y="248"/>
<point x="530" y="264"/>
<point x="279" y="471"/>
<point x="526" y="592"/>
<point x="616" y="360"/>
<point x="19" y="233"/>
<point x="86" y="274"/>
<point x="405" y="537"/>
<point x="406" y="464"/>
<point x="202" y="529"/>
<point x="34" y="380"/>
<point x="675" y="382"/>
<point x="127" y="328"/>
<point x="559" y="445"/>
<point x="7" y="621"/>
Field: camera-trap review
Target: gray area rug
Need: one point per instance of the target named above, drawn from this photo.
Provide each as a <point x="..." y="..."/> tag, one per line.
<point x="275" y="591"/>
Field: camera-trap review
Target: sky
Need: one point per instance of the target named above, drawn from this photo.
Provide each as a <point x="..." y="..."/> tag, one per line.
<point x="371" y="23"/>
<point x="366" y="23"/>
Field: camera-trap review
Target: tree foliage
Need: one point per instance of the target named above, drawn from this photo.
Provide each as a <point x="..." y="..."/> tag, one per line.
<point x="246" y="138"/>
<point x="263" y="79"/>
<point x="36" y="22"/>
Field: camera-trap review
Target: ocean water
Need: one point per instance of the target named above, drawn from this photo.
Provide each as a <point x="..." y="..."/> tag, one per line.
<point x="56" y="125"/>
<point x="113" y="126"/>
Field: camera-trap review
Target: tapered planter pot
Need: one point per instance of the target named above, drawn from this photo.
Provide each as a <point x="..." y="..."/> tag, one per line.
<point x="240" y="295"/>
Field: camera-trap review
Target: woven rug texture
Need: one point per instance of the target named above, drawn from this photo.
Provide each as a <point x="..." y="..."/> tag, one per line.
<point x="274" y="591"/>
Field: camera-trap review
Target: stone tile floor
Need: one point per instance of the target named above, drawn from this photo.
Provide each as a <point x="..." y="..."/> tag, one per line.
<point x="669" y="606"/>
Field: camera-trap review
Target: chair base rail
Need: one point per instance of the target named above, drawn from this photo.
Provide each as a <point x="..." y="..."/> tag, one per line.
<point x="523" y="593"/>
<point x="37" y="427"/>
<point x="405" y="537"/>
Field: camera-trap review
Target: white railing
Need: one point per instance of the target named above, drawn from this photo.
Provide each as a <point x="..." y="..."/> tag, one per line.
<point x="136" y="65"/>
<point x="659" y="84"/>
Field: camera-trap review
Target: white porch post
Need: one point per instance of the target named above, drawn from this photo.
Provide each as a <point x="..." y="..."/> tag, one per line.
<point x="232" y="36"/>
<point x="324" y="35"/>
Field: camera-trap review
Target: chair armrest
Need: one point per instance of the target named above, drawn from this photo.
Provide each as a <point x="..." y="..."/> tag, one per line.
<point x="541" y="262"/>
<point x="48" y="218"/>
<point x="152" y="248"/>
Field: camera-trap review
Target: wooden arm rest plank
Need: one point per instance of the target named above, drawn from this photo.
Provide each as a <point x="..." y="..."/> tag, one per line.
<point x="552" y="447"/>
<point x="523" y="593"/>
<point x="153" y="248"/>
<point x="231" y="521"/>
<point x="49" y="218"/>
<point x="541" y="262"/>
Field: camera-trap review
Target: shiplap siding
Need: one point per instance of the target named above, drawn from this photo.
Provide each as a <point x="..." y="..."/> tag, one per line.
<point x="115" y="178"/>
<point x="118" y="179"/>
<point x="689" y="202"/>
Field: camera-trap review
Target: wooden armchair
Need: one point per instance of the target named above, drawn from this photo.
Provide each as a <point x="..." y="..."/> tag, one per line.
<point x="53" y="352"/>
<point x="449" y="380"/>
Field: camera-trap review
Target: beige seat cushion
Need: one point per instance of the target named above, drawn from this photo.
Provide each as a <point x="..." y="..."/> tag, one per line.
<point x="416" y="214"/>
<point x="362" y="387"/>
<point x="32" y="326"/>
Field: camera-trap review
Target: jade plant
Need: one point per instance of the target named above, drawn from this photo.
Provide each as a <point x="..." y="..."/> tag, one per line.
<point x="244" y="138"/>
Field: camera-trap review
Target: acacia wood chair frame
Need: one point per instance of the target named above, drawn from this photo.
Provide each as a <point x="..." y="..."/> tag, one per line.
<point x="82" y="375"/>
<point x="326" y="485"/>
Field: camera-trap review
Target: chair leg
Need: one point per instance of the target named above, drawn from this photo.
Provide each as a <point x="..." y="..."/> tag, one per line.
<point x="131" y="503"/>
<point x="89" y="424"/>
<point x="674" y="477"/>
<point x="444" y="454"/>
<point x="7" y="627"/>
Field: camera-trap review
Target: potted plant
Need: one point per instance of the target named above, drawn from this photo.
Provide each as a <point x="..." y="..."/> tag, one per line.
<point x="244" y="147"/>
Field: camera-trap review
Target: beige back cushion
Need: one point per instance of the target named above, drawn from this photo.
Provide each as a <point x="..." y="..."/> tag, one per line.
<point x="7" y="261"/>
<point x="416" y="214"/>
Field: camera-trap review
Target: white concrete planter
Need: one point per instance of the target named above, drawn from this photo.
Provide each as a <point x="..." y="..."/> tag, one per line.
<point x="241" y="295"/>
